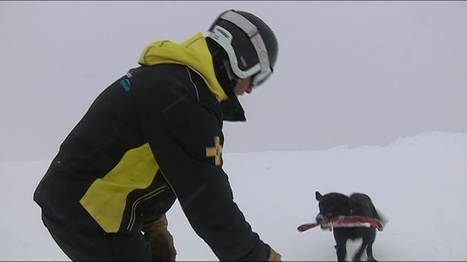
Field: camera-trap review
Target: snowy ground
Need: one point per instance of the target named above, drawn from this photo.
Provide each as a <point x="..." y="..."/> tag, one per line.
<point x="417" y="182"/>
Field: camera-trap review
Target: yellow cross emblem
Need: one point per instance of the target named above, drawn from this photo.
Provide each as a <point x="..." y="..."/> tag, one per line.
<point x="215" y="151"/>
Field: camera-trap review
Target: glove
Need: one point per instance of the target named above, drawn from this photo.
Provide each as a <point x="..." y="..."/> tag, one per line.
<point x="160" y="240"/>
<point x="273" y="256"/>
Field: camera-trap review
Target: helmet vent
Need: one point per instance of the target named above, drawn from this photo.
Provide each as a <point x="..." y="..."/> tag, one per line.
<point x="244" y="63"/>
<point x="223" y="33"/>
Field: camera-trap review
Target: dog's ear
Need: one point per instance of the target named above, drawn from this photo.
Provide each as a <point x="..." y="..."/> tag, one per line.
<point x="318" y="196"/>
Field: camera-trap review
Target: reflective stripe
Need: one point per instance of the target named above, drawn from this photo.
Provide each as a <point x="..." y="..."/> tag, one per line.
<point x="257" y="41"/>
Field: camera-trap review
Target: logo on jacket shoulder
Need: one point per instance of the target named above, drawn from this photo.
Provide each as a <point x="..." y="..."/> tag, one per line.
<point x="215" y="151"/>
<point x="125" y="83"/>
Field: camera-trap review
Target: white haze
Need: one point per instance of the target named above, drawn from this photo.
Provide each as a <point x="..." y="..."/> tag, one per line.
<point x="348" y="72"/>
<point x="417" y="182"/>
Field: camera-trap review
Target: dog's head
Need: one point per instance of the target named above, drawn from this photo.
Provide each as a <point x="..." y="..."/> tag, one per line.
<point x="332" y="205"/>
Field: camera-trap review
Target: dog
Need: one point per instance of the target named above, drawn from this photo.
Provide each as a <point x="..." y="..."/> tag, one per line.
<point x="357" y="204"/>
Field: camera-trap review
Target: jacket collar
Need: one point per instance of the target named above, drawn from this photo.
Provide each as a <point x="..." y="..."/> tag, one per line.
<point x="204" y="60"/>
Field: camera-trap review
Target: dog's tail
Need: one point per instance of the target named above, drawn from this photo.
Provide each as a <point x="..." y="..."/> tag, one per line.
<point x="381" y="217"/>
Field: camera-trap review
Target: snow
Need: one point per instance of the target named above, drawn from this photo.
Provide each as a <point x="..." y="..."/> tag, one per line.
<point x="417" y="182"/>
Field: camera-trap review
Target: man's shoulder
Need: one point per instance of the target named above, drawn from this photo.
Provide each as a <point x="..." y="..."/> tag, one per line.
<point x="163" y="68"/>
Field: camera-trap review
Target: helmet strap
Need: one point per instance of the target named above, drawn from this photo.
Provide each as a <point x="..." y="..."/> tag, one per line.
<point x="232" y="77"/>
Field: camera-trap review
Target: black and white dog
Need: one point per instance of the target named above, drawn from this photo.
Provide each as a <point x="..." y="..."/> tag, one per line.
<point x="357" y="204"/>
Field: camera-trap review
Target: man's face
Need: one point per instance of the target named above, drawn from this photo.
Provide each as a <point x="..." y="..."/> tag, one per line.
<point x="243" y="86"/>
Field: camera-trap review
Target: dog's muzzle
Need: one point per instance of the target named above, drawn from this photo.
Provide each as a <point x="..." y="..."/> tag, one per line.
<point x="322" y="221"/>
<point x="319" y="218"/>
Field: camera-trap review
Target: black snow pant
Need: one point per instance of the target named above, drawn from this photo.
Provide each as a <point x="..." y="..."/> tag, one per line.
<point x="90" y="244"/>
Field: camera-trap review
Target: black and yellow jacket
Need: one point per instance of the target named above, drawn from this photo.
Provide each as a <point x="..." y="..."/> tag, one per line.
<point x="152" y="136"/>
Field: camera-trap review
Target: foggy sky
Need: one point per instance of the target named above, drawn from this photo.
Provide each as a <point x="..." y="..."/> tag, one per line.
<point x="348" y="73"/>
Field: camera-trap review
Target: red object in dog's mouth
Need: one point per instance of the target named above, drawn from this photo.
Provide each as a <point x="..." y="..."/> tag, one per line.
<point x="305" y="227"/>
<point x="344" y="221"/>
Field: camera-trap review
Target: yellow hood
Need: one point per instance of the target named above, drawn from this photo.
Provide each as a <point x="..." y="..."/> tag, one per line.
<point x="193" y="53"/>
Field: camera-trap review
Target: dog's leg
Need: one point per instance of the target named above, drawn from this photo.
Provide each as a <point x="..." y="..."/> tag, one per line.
<point x="341" y="244"/>
<point x="367" y="244"/>
<point x="341" y="235"/>
<point x="369" y="252"/>
<point x="341" y="252"/>
<point x="369" y="249"/>
<point x="359" y="253"/>
<point x="341" y="248"/>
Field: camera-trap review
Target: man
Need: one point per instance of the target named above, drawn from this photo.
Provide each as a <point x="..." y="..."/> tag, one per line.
<point x="155" y="135"/>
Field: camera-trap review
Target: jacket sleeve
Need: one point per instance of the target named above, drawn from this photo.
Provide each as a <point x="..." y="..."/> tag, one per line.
<point x="186" y="140"/>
